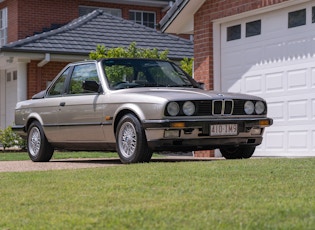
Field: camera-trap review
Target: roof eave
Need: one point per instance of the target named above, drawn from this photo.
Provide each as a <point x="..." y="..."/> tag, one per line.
<point x="181" y="21"/>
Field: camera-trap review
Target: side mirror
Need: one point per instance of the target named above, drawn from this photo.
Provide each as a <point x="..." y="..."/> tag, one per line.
<point x="39" y="95"/>
<point x="92" y="86"/>
<point x="201" y="85"/>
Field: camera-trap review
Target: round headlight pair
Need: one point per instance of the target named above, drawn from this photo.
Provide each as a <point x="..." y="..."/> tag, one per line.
<point x="188" y="107"/>
<point x="250" y="107"/>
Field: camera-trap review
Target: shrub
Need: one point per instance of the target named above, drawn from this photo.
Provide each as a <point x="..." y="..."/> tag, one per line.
<point x="8" y="139"/>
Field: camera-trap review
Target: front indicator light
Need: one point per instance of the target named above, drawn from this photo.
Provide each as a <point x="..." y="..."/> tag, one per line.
<point x="178" y="125"/>
<point x="264" y="123"/>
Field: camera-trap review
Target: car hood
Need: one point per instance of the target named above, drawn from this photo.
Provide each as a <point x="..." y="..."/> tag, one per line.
<point x="180" y="94"/>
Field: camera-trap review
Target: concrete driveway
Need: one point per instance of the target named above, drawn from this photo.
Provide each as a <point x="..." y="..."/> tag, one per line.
<point x="24" y="166"/>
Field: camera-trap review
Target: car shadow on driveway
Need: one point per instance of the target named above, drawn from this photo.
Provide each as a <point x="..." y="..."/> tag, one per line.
<point x="116" y="161"/>
<point x="65" y="164"/>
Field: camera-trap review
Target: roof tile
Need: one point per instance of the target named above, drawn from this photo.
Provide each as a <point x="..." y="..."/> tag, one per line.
<point x="83" y="34"/>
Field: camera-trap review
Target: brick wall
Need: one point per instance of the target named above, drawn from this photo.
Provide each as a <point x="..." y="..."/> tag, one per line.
<point x="38" y="76"/>
<point x="28" y="17"/>
<point x="203" y="36"/>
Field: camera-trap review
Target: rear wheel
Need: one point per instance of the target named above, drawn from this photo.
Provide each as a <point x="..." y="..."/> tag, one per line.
<point x="131" y="142"/>
<point x="38" y="147"/>
<point x="237" y="152"/>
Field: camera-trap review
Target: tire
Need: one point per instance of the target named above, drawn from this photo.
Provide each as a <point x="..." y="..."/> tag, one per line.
<point x="237" y="152"/>
<point x="131" y="142"/>
<point x="38" y="147"/>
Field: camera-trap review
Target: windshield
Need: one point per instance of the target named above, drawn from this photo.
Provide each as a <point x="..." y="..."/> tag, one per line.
<point x="130" y="73"/>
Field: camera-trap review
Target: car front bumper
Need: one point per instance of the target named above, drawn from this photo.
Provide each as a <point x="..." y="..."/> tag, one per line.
<point x="195" y="134"/>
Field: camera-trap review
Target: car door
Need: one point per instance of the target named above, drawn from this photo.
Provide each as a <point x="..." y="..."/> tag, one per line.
<point x="48" y="109"/>
<point x="80" y="110"/>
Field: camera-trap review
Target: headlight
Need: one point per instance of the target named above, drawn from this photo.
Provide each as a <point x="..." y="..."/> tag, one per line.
<point x="259" y="107"/>
<point x="189" y="108"/>
<point x="249" y="107"/>
<point x="173" y="108"/>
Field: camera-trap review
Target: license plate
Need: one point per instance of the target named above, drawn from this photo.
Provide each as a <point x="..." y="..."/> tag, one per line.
<point x="223" y="130"/>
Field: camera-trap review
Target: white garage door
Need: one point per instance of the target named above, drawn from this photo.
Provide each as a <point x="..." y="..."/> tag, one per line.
<point x="273" y="56"/>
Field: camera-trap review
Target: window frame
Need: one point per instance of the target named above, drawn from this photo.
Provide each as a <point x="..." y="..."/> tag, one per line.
<point x="249" y="28"/>
<point x="3" y="26"/>
<point x="89" y="9"/>
<point x="134" y="12"/>
<point x="230" y="33"/>
<point x="292" y="22"/>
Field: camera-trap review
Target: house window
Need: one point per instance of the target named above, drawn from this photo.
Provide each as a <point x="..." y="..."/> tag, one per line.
<point x="313" y="14"/>
<point x="83" y="10"/>
<point x="143" y="18"/>
<point x="253" y="28"/>
<point x="3" y="26"/>
<point x="233" y="32"/>
<point x="14" y="75"/>
<point x="8" y="77"/>
<point x="297" y="18"/>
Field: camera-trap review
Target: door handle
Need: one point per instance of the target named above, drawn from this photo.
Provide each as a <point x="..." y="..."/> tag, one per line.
<point x="62" y="103"/>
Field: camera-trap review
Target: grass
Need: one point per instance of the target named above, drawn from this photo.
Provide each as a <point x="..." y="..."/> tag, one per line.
<point x="239" y="194"/>
<point x="20" y="156"/>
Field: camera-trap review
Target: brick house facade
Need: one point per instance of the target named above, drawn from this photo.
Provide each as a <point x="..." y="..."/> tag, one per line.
<point x="28" y="17"/>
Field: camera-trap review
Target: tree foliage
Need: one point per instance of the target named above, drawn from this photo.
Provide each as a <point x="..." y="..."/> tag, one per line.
<point x="134" y="52"/>
<point x="130" y="52"/>
<point x="187" y="65"/>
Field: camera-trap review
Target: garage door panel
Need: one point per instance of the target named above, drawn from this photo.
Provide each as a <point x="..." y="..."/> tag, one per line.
<point x="276" y="110"/>
<point x="275" y="140"/>
<point x="232" y="85"/>
<point x="298" y="140"/>
<point x="275" y="82"/>
<point x="278" y="65"/>
<point x="297" y="79"/>
<point x="313" y="77"/>
<point x="297" y="110"/>
<point x="254" y="84"/>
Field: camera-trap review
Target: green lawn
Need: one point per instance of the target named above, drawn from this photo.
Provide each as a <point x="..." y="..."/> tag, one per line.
<point x="20" y="156"/>
<point x="269" y="193"/>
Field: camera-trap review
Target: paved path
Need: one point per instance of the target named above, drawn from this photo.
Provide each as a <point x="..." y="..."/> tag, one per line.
<point x="28" y="165"/>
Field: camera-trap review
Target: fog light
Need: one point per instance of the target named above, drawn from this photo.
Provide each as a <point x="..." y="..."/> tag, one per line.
<point x="255" y="131"/>
<point x="171" y="133"/>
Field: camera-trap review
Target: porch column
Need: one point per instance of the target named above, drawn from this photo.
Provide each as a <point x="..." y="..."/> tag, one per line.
<point x="22" y="80"/>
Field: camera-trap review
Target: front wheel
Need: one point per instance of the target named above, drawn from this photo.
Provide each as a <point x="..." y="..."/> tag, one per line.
<point x="237" y="152"/>
<point x="131" y="142"/>
<point x="38" y="147"/>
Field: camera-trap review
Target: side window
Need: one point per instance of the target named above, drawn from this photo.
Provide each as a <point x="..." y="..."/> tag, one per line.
<point x="58" y="88"/>
<point x="80" y="74"/>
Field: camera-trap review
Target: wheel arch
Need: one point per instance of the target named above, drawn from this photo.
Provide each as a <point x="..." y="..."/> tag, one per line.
<point x="132" y="109"/>
<point x="31" y="118"/>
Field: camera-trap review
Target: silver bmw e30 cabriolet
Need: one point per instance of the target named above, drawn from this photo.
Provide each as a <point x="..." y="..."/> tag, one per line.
<point x="135" y="107"/>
